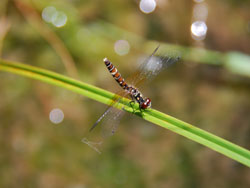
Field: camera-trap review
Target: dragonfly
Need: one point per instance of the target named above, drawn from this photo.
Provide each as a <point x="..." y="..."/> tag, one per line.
<point x="148" y="70"/>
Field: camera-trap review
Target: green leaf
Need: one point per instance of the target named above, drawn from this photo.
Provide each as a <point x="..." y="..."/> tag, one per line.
<point x="187" y="130"/>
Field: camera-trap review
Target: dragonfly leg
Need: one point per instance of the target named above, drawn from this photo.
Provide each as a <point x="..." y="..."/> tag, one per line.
<point x="131" y="103"/>
<point x="140" y="109"/>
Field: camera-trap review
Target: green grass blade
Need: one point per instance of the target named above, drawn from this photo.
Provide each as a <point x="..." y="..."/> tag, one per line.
<point x="234" y="62"/>
<point x="189" y="131"/>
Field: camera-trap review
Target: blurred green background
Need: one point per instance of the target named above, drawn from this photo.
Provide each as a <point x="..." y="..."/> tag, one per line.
<point x="72" y="38"/>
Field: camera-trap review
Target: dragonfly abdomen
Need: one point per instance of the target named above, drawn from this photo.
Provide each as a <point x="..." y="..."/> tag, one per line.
<point x="115" y="73"/>
<point x="134" y="93"/>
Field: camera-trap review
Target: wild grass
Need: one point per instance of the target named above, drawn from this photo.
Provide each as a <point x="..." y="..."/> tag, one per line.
<point x="187" y="130"/>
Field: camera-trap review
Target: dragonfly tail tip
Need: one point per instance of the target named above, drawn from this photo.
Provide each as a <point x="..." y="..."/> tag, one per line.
<point x="105" y="60"/>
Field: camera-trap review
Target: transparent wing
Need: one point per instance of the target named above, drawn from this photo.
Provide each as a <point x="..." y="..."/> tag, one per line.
<point x="108" y="123"/>
<point x="111" y="122"/>
<point x="138" y="73"/>
<point x="152" y="66"/>
<point x="110" y="111"/>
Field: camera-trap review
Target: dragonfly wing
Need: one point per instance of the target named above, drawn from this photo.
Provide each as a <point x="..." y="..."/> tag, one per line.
<point x="152" y="66"/>
<point x="108" y="124"/>
<point x="135" y="76"/>
<point x="100" y="118"/>
<point x="111" y="122"/>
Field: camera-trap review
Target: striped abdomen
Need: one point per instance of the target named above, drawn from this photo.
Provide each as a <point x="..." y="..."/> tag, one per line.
<point x="134" y="93"/>
<point x="114" y="72"/>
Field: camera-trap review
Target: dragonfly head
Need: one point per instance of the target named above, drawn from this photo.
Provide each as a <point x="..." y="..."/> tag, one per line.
<point x="146" y="103"/>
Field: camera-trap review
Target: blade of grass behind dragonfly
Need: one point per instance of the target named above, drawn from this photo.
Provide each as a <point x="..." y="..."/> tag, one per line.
<point x="189" y="131"/>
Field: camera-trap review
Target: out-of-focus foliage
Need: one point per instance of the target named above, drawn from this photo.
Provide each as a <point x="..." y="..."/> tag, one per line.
<point x="36" y="153"/>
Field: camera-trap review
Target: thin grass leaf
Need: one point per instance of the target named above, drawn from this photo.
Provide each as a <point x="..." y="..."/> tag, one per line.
<point x="234" y="62"/>
<point x="189" y="131"/>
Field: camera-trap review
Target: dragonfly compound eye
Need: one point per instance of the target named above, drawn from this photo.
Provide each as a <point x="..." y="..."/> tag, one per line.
<point x="146" y="104"/>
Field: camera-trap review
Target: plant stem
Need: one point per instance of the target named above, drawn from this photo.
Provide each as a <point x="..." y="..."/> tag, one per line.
<point x="187" y="130"/>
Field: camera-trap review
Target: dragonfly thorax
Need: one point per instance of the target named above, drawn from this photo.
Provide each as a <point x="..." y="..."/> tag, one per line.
<point x="136" y="95"/>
